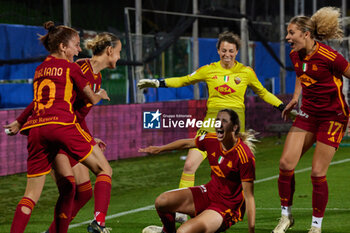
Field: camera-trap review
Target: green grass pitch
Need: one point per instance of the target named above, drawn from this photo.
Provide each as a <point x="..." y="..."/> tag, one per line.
<point x="137" y="182"/>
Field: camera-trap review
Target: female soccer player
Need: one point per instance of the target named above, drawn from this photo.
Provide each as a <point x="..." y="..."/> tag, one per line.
<point x="227" y="81"/>
<point x="53" y="125"/>
<point x="219" y="204"/>
<point x="323" y="114"/>
<point x="106" y="49"/>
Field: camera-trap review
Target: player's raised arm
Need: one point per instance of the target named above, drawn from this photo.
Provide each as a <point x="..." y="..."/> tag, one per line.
<point x="176" y="145"/>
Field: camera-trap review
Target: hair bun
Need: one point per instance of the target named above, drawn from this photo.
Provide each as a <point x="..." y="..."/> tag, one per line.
<point x="49" y="25"/>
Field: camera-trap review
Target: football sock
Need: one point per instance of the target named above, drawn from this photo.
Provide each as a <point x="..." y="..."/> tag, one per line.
<point x="64" y="205"/>
<point x="286" y="187"/>
<point x="187" y="180"/>
<point x="20" y="220"/>
<point x="319" y="195"/>
<point x="102" y="192"/>
<point x="168" y="220"/>
<point x="286" y="210"/>
<point x="82" y="195"/>
<point x="316" y="222"/>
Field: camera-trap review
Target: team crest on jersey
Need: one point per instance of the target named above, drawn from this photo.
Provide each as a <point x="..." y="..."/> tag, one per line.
<point x="224" y="89"/>
<point x="215" y="77"/>
<point x="306" y="80"/>
<point x="314" y="67"/>
<point x="238" y="80"/>
<point x="229" y="164"/>
<point x="213" y="154"/>
<point x="296" y="65"/>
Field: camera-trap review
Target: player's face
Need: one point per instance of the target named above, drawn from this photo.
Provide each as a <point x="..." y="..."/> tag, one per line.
<point x="295" y="37"/>
<point x="114" y="56"/>
<point x="226" y="128"/>
<point x="72" y="48"/>
<point x="227" y="52"/>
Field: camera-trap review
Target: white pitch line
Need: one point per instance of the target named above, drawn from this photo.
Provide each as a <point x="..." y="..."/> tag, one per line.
<point x="256" y="182"/>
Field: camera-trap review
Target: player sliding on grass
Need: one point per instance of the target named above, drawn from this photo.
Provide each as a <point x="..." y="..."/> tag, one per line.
<point x="227" y="81"/>
<point x="217" y="205"/>
<point x="324" y="114"/>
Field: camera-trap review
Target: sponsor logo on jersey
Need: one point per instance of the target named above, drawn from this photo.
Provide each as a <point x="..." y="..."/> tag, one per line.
<point x="306" y="80"/>
<point x="229" y="164"/>
<point x="151" y="120"/>
<point x="238" y="80"/>
<point x="215" y="77"/>
<point x="224" y="89"/>
<point x="213" y="154"/>
<point x="296" y="65"/>
<point x="314" y="67"/>
<point x="217" y="171"/>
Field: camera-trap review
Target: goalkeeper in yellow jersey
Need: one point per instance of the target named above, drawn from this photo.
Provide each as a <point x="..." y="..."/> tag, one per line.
<point x="227" y="81"/>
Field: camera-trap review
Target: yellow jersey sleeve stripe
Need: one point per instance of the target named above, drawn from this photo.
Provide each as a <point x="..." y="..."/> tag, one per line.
<point x="244" y="153"/>
<point x="331" y="54"/>
<point x="241" y="155"/>
<point x="326" y="55"/>
<point x="68" y="90"/>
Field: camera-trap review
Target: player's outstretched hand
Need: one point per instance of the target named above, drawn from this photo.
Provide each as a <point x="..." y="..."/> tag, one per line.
<point x="103" y="94"/>
<point x="12" y="128"/>
<point x="101" y="144"/>
<point x="288" y="111"/>
<point x="144" y="83"/>
<point x="151" y="149"/>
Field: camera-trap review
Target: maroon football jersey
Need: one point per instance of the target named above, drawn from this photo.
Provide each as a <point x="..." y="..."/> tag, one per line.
<point x="56" y="83"/>
<point x="320" y="74"/>
<point x="81" y="105"/>
<point x="228" y="169"/>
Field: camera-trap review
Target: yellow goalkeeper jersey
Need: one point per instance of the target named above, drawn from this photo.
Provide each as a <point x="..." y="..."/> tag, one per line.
<point x="226" y="87"/>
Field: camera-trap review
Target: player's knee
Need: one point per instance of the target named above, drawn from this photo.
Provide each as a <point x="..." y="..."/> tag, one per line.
<point x="109" y="170"/>
<point x="318" y="171"/>
<point x="285" y="164"/>
<point x="66" y="186"/>
<point x="190" y="167"/>
<point x="161" y="202"/>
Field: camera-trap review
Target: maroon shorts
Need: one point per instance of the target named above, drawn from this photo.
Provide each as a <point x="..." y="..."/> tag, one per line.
<point x="72" y="161"/>
<point x="329" y="132"/>
<point x="45" y="141"/>
<point x="202" y="202"/>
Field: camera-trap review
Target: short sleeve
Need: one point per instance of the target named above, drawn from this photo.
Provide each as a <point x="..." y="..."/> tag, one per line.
<point x="247" y="169"/>
<point x="340" y="64"/>
<point x="200" y="142"/>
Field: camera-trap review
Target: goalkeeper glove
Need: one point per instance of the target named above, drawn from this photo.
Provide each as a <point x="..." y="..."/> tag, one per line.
<point x="281" y="107"/>
<point x="144" y="83"/>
